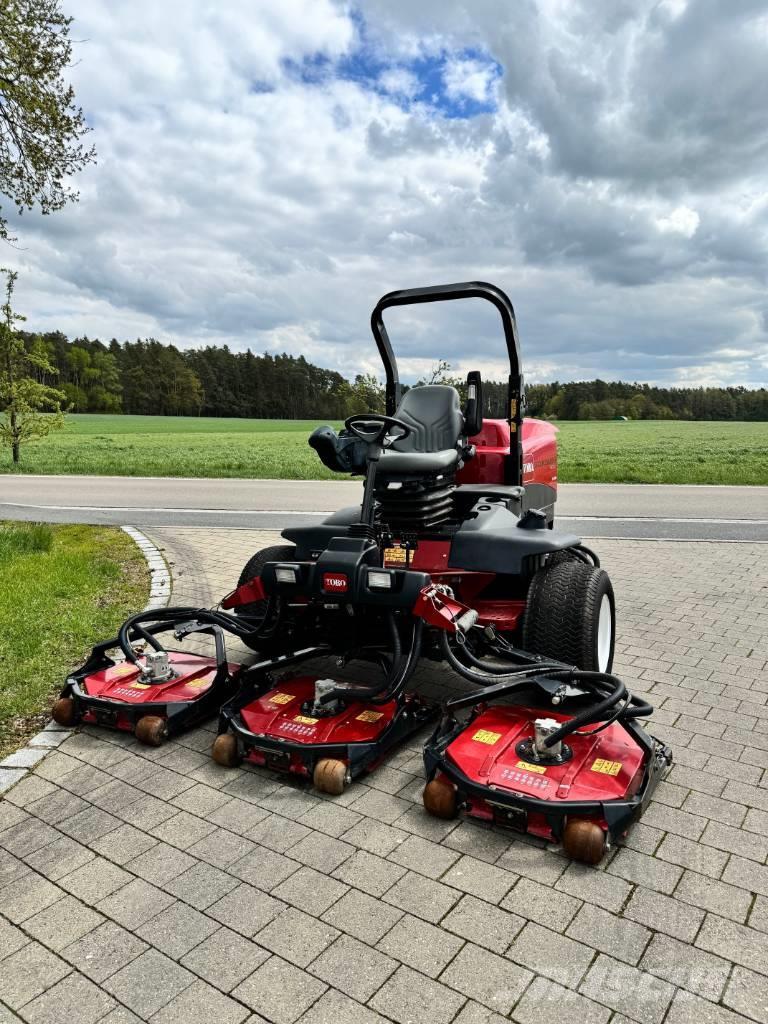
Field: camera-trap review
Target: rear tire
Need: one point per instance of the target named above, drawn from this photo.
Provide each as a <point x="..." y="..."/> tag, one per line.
<point x="570" y="615"/>
<point x="253" y="567"/>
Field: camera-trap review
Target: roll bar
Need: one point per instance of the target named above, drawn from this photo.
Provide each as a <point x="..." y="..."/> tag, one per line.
<point x="446" y="293"/>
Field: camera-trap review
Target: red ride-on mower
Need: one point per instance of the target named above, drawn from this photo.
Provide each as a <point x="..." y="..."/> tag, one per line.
<point x="466" y="501"/>
<point x="451" y="555"/>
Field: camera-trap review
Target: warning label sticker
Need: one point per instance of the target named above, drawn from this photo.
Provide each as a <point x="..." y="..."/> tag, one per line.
<point x="281" y="698"/>
<point x="486" y="736"/>
<point x="394" y="555"/>
<point x="538" y="768"/>
<point x="370" y="716"/>
<point x="305" y="719"/>
<point x="198" y="684"/>
<point x="140" y="686"/>
<point x="524" y="778"/>
<point x="606" y="767"/>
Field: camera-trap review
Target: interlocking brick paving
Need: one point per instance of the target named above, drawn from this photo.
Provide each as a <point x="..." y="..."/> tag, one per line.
<point x="141" y="884"/>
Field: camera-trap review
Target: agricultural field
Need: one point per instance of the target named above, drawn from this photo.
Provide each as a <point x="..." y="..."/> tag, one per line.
<point x="643" y="451"/>
<point x="62" y="587"/>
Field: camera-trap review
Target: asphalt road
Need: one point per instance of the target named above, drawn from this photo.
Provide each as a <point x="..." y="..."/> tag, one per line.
<point x="593" y="510"/>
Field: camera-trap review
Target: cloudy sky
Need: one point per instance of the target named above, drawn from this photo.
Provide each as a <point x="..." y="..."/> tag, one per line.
<point x="267" y="169"/>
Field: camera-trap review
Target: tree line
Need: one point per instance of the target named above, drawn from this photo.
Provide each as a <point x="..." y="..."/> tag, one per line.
<point x="150" y="378"/>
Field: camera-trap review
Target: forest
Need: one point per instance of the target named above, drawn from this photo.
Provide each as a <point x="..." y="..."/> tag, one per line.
<point x="151" y="378"/>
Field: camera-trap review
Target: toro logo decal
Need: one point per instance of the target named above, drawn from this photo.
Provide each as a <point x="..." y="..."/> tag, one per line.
<point x="335" y="582"/>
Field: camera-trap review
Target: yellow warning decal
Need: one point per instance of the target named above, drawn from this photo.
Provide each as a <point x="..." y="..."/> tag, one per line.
<point x="140" y="686"/>
<point x="123" y="670"/>
<point x="198" y="684"/>
<point x="305" y="719"/>
<point x="606" y="767"/>
<point x="370" y="716"/>
<point x="486" y="736"/>
<point x="394" y="555"/>
<point x="281" y="698"/>
<point x="538" y="768"/>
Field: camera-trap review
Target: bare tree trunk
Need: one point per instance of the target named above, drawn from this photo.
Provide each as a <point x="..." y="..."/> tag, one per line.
<point x="15" y="442"/>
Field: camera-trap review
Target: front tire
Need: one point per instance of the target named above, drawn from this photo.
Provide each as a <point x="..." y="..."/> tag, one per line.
<point x="253" y="567"/>
<point x="570" y="615"/>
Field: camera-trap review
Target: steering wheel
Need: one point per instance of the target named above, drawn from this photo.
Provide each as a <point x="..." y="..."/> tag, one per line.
<point x="374" y="428"/>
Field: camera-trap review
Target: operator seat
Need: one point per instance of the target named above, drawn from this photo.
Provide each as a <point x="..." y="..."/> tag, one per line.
<point x="433" y="412"/>
<point x="416" y="475"/>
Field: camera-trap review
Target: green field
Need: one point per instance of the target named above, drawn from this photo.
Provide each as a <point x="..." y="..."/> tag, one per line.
<point x="643" y="451"/>
<point x="64" y="587"/>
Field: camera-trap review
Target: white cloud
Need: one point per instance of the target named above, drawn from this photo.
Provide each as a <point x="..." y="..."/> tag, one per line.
<point x="400" y="82"/>
<point x="469" y="79"/>
<point x="681" y="221"/>
<point x="252" y="191"/>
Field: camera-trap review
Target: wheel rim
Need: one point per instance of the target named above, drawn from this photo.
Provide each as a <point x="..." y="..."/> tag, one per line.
<point x="604" y="634"/>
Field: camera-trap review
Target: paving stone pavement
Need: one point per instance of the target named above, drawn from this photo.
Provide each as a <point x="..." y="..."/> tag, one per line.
<point x="152" y="885"/>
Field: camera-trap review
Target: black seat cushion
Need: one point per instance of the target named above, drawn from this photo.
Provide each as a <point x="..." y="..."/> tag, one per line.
<point x="433" y="412"/>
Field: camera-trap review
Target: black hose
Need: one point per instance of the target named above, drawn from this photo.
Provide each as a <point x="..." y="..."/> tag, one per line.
<point x="397" y="678"/>
<point x="178" y="614"/>
<point x="483" y="679"/>
<point x="502" y="670"/>
<point x="591" y="714"/>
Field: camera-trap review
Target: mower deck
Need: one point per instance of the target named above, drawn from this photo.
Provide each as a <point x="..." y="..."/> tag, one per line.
<point x="275" y="727"/>
<point x="121" y="695"/>
<point x="586" y="798"/>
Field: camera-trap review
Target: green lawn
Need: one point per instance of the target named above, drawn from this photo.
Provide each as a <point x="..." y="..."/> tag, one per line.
<point x="655" y="451"/>
<point x="63" y="589"/>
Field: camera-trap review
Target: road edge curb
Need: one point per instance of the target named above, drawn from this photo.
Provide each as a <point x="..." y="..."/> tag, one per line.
<point x="53" y="735"/>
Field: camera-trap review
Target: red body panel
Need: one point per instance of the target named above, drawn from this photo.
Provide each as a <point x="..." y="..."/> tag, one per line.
<point x="279" y="714"/>
<point x="607" y="766"/>
<point x="121" y="683"/>
<point x="492" y="449"/>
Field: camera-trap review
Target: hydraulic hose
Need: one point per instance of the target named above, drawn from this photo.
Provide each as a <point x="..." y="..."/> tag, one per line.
<point x="483" y="679"/>
<point x="177" y="614"/>
<point x="594" y="713"/>
<point x="600" y="682"/>
<point x="393" y="684"/>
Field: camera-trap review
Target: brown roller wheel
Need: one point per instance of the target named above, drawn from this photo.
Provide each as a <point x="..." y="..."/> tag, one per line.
<point x="331" y="776"/>
<point x="584" y="840"/>
<point x="440" y="799"/>
<point x="63" y="711"/>
<point x="224" y="750"/>
<point x="152" y="730"/>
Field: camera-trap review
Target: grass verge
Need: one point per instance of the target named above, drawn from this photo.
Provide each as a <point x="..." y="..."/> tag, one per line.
<point x="62" y="589"/>
<point x="639" y="451"/>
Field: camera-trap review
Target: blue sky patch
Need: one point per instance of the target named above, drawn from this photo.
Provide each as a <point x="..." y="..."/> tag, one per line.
<point x="456" y="83"/>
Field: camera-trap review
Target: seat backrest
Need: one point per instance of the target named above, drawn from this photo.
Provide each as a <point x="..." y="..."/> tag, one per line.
<point x="434" y="414"/>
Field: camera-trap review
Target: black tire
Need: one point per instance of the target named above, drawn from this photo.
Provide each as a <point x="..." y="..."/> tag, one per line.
<point x="562" y="615"/>
<point x="253" y="567"/>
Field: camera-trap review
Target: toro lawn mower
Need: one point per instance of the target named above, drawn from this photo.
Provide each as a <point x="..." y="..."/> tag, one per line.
<point x="452" y="556"/>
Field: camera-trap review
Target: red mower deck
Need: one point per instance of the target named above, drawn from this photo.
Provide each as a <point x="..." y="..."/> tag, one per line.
<point x="585" y="798"/>
<point x="280" y="728"/>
